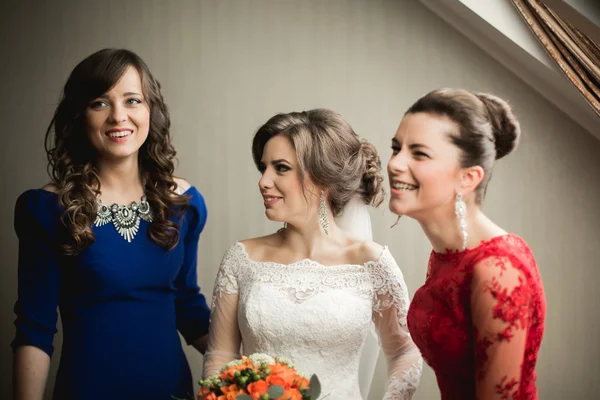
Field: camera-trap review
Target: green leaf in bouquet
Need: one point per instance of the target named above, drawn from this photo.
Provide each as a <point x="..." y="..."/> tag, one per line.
<point x="243" y="397"/>
<point x="315" y="387"/>
<point x="305" y="394"/>
<point x="275" y="391"/>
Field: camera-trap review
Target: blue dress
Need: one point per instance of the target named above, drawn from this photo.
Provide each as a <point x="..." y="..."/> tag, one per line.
<point x="121" y="304"/>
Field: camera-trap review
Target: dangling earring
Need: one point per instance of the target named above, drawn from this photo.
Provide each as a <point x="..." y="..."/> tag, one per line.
<point x="396" y="223"/>
<point x="284" y="227"/>
<point x="323" y="214"/>
<point x="460" y="210"/>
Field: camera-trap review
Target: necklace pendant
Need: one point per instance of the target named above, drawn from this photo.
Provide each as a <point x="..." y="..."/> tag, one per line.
<point x="125" y="219"/>
<point x="104" y="216"/>
<point x="144" y="210"/>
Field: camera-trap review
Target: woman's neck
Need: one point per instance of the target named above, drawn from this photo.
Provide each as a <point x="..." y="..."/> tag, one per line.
<point x="444" y="233"/>
<point x="307" y="239"/>
<point x="121" y="181"/>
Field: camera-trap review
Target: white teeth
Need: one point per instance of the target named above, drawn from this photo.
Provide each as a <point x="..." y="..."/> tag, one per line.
<point x="403" y="186"/>
<point x="270" y="198"/>
<point x="119" y="134"/>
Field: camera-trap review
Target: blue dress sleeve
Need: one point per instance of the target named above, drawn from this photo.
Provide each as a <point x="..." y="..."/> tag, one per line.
<point x="39" y="272"/>
<point x="192" y="311"/>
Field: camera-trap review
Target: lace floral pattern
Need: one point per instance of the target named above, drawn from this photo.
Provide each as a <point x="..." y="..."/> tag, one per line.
<point x="479" y="320"/>
<point x="317" y="316"/>
<point x="403" y="389"/>
<point x="389" y="288"/>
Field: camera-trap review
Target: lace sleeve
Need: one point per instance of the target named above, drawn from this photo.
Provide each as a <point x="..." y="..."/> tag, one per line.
<point x="390" y="305"/>
<point x="224" y="337"/>
<point x="500" y="304"/>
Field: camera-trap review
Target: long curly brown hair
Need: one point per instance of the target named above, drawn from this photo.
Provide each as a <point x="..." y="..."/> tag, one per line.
<point x="72" y="159"/>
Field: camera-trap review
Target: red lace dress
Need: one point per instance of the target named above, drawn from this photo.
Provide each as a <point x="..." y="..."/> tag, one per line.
<point x="479" y="320"/>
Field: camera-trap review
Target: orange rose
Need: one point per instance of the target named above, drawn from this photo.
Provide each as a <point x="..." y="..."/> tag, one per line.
<point x="300" y="383"/>
<point x="257" y="389"/>
<point x="230" y="392"/>
<point x="227" y="374"/>
<point x="231" y="388"/>
<point x="283" y="371"/>
<point x="211" y="396"/>
<point x="278" y="380"/>
<point x="229" y="396"/>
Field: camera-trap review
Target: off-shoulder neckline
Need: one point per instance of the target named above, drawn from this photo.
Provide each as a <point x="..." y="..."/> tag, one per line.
<point x="314" y="263"/>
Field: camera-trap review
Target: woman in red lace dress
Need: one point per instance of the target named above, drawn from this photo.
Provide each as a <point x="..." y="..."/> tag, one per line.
<point x="479" y="318"/>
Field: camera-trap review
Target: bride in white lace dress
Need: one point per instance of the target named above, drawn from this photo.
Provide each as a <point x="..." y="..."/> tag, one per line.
<point x="312" y="291"/>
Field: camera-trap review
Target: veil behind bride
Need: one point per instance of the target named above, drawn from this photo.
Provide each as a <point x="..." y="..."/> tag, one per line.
<point x="355" y="220"/>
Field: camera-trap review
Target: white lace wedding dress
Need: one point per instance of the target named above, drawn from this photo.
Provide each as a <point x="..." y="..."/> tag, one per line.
<point x="318" y="316"/>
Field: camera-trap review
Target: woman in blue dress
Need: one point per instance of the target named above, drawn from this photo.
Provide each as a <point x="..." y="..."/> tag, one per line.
<point x="112" y="243"/>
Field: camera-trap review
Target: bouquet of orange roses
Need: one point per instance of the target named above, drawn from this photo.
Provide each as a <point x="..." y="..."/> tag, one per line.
<point x="259" y="377"/>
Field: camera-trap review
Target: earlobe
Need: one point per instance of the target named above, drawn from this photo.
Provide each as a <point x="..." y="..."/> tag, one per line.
<point x="470" y="179"/>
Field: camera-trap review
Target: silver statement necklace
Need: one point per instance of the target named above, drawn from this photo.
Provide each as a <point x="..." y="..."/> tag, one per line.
<point x="126" y="219"/>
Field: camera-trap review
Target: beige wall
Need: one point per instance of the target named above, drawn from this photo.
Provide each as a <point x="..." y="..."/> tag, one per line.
<point x="226" y="66"/>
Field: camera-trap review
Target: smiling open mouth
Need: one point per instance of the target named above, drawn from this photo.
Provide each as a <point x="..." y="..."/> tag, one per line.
<point x="403" y="186"/>
<point x="119" y="135"/>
